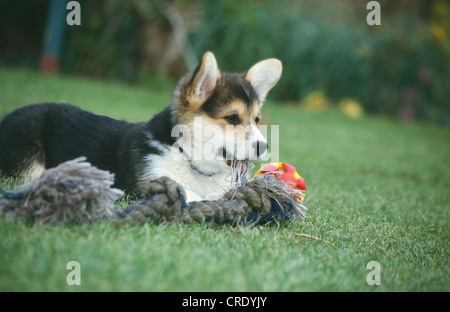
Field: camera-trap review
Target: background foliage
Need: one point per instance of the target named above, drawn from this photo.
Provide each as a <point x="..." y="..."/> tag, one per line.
<point x="400" y="68"/>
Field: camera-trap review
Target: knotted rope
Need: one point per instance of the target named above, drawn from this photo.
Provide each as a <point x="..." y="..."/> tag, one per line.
<point x="69" y="193"/>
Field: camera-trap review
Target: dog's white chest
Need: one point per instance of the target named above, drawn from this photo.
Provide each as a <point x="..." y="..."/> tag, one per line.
<point x="198" y="186"/>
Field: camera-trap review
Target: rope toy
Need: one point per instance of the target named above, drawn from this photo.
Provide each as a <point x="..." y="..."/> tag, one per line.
<point x="288" y="174"/>
<point x="71" y="191"/>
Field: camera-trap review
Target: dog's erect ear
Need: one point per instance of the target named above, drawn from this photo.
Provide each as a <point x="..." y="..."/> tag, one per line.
<point x="205" y="78"/>
<point x="263" y="76"/>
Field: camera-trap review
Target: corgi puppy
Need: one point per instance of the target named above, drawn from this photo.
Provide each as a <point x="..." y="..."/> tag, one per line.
<point x="211" y="124"/>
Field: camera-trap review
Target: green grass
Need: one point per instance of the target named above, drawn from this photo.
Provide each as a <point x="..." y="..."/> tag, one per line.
<point x="378" y="190"/>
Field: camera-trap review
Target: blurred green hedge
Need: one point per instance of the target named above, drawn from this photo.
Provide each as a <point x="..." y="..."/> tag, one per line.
<point x="400" y="68"/>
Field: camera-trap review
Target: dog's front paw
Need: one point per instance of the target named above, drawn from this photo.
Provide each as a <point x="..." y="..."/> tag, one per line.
<point x="213" y="196"/>
<point x="191" y="196"/>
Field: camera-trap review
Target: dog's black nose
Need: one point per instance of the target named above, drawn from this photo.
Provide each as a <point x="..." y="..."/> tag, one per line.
<point x="261" y="148"/>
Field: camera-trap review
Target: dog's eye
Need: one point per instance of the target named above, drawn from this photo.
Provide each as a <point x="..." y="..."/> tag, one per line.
<point x="257" y="120"/>
<point x="232" y="119"/>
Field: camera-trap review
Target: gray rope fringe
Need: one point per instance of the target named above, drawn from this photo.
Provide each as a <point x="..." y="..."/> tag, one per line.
<point x="67" y="193"/>
<point x="71" y="191"/>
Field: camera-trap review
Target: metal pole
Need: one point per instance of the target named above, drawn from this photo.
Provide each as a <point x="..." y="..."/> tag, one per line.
<point x="54" y="36"/>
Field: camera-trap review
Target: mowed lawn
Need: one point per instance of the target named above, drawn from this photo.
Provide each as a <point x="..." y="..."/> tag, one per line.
<point x="377" y="190"/>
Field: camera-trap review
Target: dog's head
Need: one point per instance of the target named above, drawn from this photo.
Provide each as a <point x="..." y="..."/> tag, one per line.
<point x="219" y="112"/>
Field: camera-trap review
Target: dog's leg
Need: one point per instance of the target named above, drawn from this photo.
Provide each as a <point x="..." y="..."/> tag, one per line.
<point x="191" y="196"/>
<point x="21" y="152"/>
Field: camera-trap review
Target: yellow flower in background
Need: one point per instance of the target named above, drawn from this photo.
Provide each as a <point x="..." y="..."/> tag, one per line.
<point x="316" y="100"/>
<point x="438" y="32"/>
<point x="365" y="50"/>
<point x="351" y="108"/>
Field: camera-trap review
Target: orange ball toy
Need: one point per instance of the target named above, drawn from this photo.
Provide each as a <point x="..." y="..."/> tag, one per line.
<point x="288" y="174"/>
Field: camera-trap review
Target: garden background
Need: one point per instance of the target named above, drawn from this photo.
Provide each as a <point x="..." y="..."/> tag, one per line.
<point x="398" y="69"/>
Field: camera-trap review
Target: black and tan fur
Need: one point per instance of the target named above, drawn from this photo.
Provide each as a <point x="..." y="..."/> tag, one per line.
<point x="41" y="136"/>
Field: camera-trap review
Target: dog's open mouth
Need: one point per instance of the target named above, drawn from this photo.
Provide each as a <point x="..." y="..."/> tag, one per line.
<point x="229" y="159"/>
<point x="239" y="168"/>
